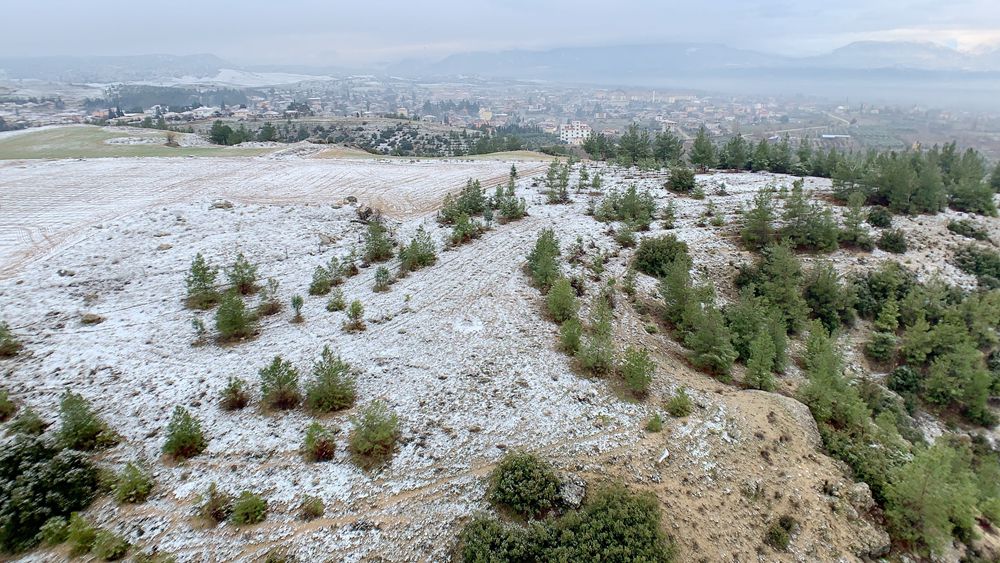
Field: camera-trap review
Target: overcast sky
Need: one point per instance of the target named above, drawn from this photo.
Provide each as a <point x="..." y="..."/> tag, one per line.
<point x="357" y="33"/>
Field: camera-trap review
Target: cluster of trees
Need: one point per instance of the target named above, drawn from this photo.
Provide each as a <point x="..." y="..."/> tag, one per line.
<point x="636" y="147"/>
<point x="460" y="211"/>
<point x="614" y="523"/>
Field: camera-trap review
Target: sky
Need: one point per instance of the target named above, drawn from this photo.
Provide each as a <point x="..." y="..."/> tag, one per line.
<point x="334" y="32"/>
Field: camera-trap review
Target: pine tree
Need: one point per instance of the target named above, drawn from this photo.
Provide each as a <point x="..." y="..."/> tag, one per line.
<point x="637" y="370"/>
<point x="243" y="275"/>
<point x="781" y="284"/>
<point x="995" y="178"/>
<point x="710" y="341"/>
<point x="561" y="301"/>
<point x="201" y="284"/>
<point x="734" y="153"/>
<point x="761" y="159"/>
<point x="332" y="388"/>
<point x="542" y="263"/>
<point x="854" y="232"/>
<point x="758" y="228"/>
<point x="279" y="384"/>
<point x="184" y="435"/>
<point x="761" y="362"/>
<point x="232" y="319"/>
<point x="888" y="317"/>
<point x="378" y="244"/>
<point x="596" y="353"/>
<point x="702" y="151"/>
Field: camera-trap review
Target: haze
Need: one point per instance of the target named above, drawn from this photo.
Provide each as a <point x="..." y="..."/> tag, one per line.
<point x="355" y="34"/>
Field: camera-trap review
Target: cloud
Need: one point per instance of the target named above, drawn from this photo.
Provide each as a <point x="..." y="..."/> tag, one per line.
<point x="358" y="33"/>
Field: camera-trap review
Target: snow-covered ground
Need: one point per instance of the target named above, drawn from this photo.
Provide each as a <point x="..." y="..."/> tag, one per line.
<point x="460" y="350"/>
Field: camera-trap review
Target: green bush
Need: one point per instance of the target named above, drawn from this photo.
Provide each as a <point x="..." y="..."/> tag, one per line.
<point x="681" y="180"/>
<point x="332" y="388"/>
<point x="311" y="508"/>
<point x="297" y="303"/>
<point x="54" y="531"/>
<point x="133" y="485"/>
<point x="80" y="535"/>
<point x="28" y="423"/>
<point x="38" y="481"/>
<point x="184" y="436"/>
<point x="336" y="302"/>
<point x="632" y="207"/>
<point x="9" y="345"/>
<point x="420" y="253"/>
<point x="232" y="319"/>
<point x="200" y="281"/>
<point x="378" y="245"/>
<point x="761" y="362"/>
<point x="470" y="201"/>
<point x="525" y="484"/>
<point x="596" y="353"/>
<point x="779" y="533"/>
<point x="637" y="370"/>
<point x="542" y="264"/>
<point x="217" y="506"/>
<point x="355" y="316"/>
<point x="80" y="427"/>
<point x="109" y="546"/>
<point x="625" y="236"/>
<point x="680" y="405"/>
<point x="561" y="301"/>
<point x="892" y="241"/>
<point x="984" y="263"/>
<point x="7" y="407"/>
<point x="710" y="340"/>
<point x="881" y="347"/>
<point x="880" y="217"/>
<point x="235" y="395"/>
<point x="269" y="303"/>
<point x="242" y="275"/>
<point x="279" y="385"/>
<point x="487" y="540"/>
<point x="248" y="509"/>
<point x="318" y="444"/>
<point x="829" y="300"/>
<point x="321" y="283"/>
<point x="655" y="424"/>
<point x="382" y="279"/>
<point x="570" y="332"/>
<point x="655" y="254"/>
<point x="376" y="430"/>
<point x="969" y="229"/>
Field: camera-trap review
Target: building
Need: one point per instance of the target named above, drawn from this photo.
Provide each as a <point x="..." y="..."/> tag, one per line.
<point x="574" y="133"/>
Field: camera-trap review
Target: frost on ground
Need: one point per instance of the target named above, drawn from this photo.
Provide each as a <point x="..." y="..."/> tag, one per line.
<point x="460" y="350"/>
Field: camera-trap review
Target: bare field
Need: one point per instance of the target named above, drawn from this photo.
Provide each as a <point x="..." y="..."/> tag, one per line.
<point x="46" y="205"/>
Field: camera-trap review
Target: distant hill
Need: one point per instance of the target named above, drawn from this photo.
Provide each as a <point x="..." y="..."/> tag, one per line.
<point x="130" y="68"/>
<point x="901" y="54"/>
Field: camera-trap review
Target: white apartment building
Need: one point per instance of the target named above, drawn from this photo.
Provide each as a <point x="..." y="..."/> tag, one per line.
<point x="574" y="133"/>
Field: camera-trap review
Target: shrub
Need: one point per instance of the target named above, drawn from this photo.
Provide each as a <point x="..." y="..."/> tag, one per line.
<point x="382" y="279"/>
<point x="637" y="370"/>
<point x="378" y="244"/>
<point x="761" y="362"/>
<point x="9" y="346"/>
<point x="80" y="428"/>
<point x="318" y="444"/>
<point x="983" y="263"/>
<point x="669" y="216"/>
<point x="39" y="482"/>
<point x="487" y="539"/>
<point x="336" y="301"/>
<point x="80" y="535"/>
<point x="654" y="255"/>
<point x="681" y="180"/>
<point x="235" y="395"/>
<point x="7" y="407"/>
<point x="311" y="508"/>
<point x="109" y="546"/>
<point x="561" y="301"/>
<point x="596" y="353"/>
<point x="570" y="332"/>
<point x="297" y="303"/>
<point x="655" y="424"/>
<point x="542" y="265"/>
<point x="217" y="505"/>
<point x="376" y="430"/>
<point x="321" y="283"/>
<point x="279" y="384"/>
<point x="269" y="302"/>
<point x="779" y="533"/>
<point x="355" y="316"/>
<point x="904" y="380"/>
<point x="632" y="207"/>
<point x="200" y="281"/>
<point x="709" y="340"/>
<point x="465" y="229"/>
<point x="420" y="253"/>
<point x="133" y="485"/>
<point x="248" y="509"/>
<point x="232" y="319"/>
<point x="881" y="347"/>
<point x="54" y="531"/>
<point x="829" y="300"/>
<point x="470" y="201"/>
<point x="28" y="423"/>
<point x="332" y="388"/>
<point x="525" y="484"/>
<point x="968" y="228"/>
<point x="625" y="236"/>
<point x="680" y="405"/>
<point x="880" y="217"/>
<point x="184" y="436"/>
<point x="892" y="241"/>
<point x="242" y="275"/>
